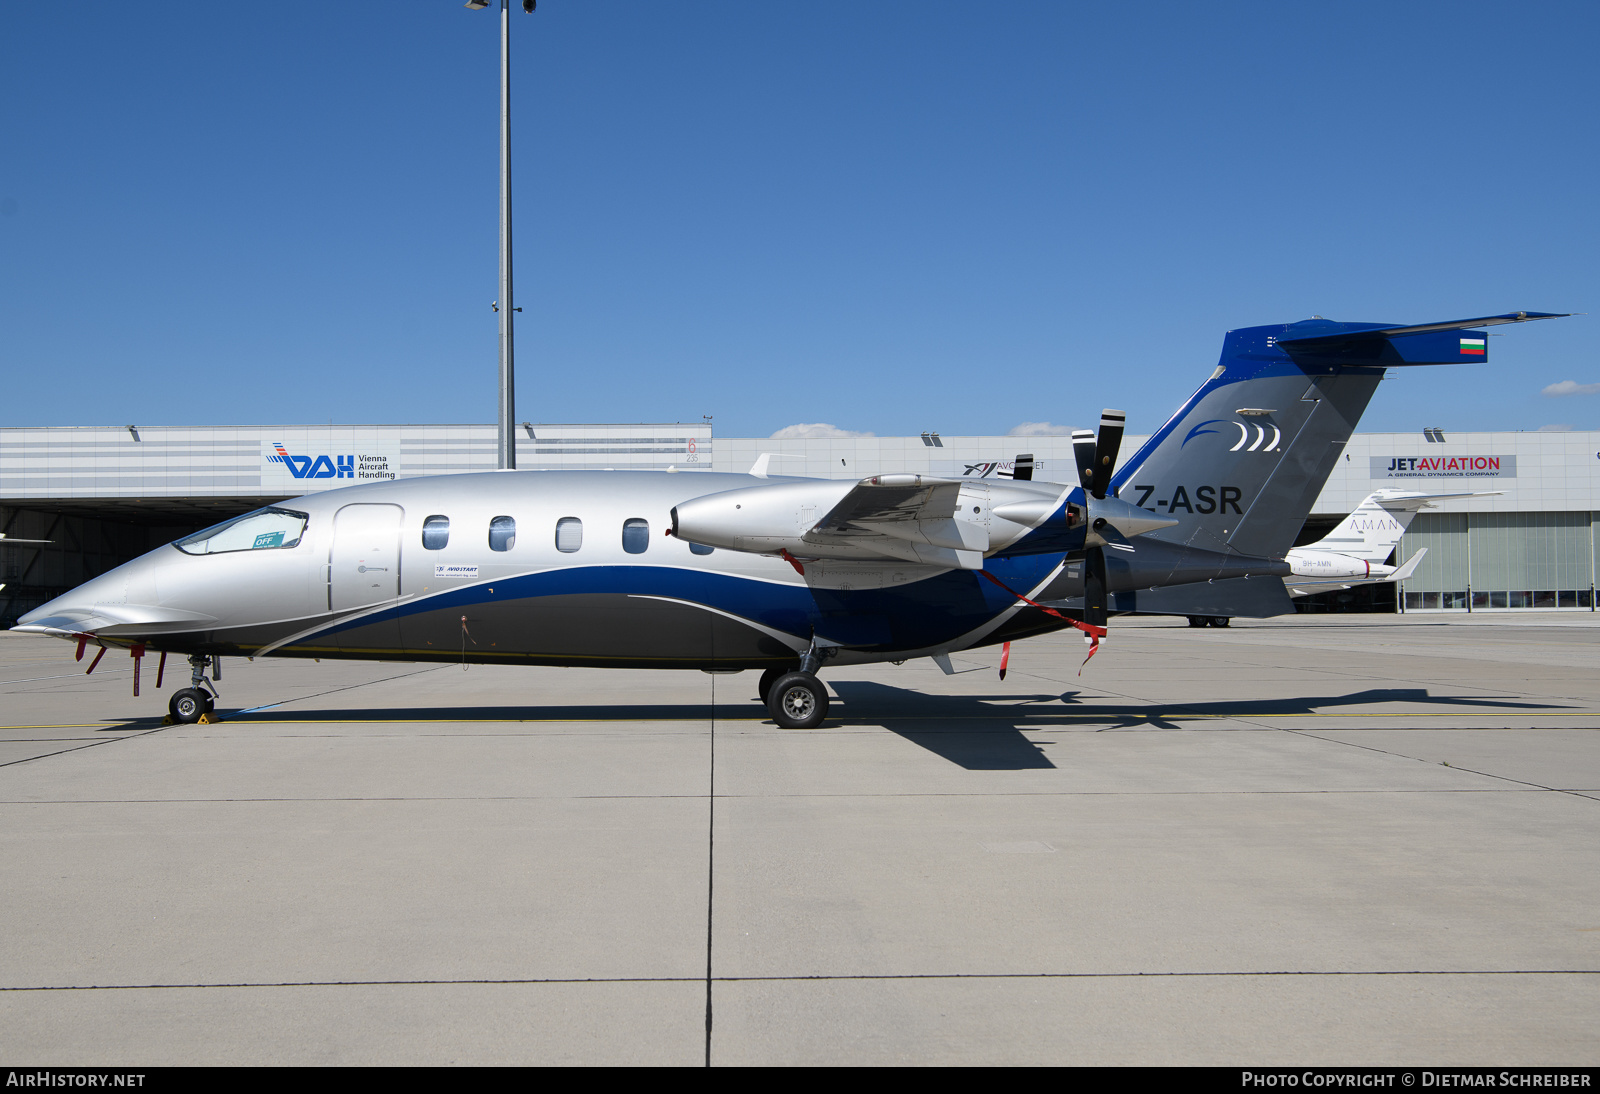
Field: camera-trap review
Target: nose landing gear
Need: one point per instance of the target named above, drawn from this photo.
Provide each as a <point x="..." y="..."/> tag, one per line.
<point x="198" y="701"/>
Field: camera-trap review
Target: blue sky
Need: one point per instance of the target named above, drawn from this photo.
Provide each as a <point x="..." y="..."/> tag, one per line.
<point x="888" y="216"/>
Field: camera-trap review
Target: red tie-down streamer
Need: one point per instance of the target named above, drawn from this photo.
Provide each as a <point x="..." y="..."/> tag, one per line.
<point x="1091" y="632"/>
<point x="83" y="640"/>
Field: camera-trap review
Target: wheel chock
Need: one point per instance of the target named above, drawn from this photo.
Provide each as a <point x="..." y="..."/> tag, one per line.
<point x="206" y="719"/>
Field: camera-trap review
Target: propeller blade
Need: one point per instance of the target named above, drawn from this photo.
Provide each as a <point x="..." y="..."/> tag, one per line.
<point x="1022" y="471"/>
<point x="1094" y="587"/>
<point x="1083" y="453"/>
<point x="1105" y="451"/>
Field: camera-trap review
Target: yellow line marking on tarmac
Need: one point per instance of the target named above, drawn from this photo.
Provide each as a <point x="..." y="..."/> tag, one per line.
<point x="81" y="725"/>
<point x="1080" y="716"/>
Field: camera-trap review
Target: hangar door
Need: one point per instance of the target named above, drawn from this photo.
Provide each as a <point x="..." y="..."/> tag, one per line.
<point x="364" y="562"/>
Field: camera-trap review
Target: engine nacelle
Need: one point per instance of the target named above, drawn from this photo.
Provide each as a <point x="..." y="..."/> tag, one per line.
<point x="955" y="523"/>
<point x="913" y="518"/>
<point x="763" y="519"/>
<point x="1331" y="564"/>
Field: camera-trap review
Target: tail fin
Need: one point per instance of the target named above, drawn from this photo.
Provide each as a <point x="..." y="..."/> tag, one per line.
<point x="1373" y="531"/>
<point x="1241" y="463"/>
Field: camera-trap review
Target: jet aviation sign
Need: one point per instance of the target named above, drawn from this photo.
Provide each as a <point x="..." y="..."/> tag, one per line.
<point x="1443" y="467"/>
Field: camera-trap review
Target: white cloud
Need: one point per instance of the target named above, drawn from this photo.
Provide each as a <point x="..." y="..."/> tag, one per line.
<point x="816" y="431"/>
<point x="1040" y="429"/>
<point x="1565" y="428"/>
<point x="1570" y="387"/>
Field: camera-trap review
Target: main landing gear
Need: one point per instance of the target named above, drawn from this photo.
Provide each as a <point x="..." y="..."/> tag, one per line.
<point x="1209" y="620"/>
<point x="198" y="701"/>
<point x="796" y="698"/>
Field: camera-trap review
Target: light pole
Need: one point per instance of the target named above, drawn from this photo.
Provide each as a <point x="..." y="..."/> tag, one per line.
<point x="504" y="306"/>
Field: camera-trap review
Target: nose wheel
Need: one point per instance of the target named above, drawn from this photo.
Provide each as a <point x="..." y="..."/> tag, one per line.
<point x="189" y="705"/>
<point x="197" y="701"/>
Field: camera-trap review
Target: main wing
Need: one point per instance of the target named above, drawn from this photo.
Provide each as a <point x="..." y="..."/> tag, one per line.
<point x="938" y="522"/>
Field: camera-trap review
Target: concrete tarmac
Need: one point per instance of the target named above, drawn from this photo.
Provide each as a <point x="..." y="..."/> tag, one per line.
<point x="1357" y="840"/>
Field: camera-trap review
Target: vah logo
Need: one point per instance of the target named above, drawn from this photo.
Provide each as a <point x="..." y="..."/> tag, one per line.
<point x="318" y="467"/>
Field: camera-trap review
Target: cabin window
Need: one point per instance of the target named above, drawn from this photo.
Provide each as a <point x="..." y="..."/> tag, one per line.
<point x="502" y="534"/>
<point x="569" y="534"/>
<point x="435" y="533"/>
<point x="635" y="535"/>
<point x="270" y="527"/>
<point x="700" y="549"/>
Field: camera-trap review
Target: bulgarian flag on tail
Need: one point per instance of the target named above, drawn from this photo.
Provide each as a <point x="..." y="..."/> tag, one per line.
<point x="1475" y="347"/>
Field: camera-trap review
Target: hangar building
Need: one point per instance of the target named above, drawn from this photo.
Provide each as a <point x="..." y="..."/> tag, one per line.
<point x="94" y="497"/>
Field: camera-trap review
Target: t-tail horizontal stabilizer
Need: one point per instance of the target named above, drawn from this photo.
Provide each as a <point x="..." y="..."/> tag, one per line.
<point x="1241" y="462"/>
<point x="1447" y="343"/>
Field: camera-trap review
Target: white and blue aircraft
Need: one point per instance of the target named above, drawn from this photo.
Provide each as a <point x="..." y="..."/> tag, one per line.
<point x="725" y="572"/>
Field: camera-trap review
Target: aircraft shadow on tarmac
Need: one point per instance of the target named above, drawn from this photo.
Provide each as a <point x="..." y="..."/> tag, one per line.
<point x="977" y="732"/>
<point x="972" y="731"/>
<point x="984" y="732"/>
<point x="1169" y="716"/>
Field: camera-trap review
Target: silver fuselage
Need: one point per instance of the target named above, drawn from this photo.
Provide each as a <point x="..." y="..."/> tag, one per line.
<point x="360" y="583"/>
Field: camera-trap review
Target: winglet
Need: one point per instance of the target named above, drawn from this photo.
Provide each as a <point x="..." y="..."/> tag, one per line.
<point x="1406" y="571"/>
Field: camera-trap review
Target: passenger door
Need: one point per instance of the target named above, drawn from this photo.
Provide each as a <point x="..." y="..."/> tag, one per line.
<point x="364" y="562"/>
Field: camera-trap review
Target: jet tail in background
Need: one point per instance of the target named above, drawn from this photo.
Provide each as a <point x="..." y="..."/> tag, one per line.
<point x="1373" y="531"/>
<point x="1241" y="463"/>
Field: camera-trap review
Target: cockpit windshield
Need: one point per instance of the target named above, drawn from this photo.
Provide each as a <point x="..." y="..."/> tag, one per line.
<point x="269" y="527"/>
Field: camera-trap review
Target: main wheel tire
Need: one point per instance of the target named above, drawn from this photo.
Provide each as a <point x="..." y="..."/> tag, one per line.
<point x="187" y="706"/>
<point x="768" y="678"/>
<point x="1219" y="620"/>
<point x="798" y="701"/>
<point x="1198" y="620"/>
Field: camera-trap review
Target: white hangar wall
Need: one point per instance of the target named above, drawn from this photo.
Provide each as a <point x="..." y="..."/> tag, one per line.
<point x="103" y="494"/>
<point x="1533" y="546"/>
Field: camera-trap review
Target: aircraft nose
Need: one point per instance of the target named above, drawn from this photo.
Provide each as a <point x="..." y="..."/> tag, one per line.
<point x="74" y="612"/>
<point x="69" y="613"/>
<point x="121" y="603"/>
